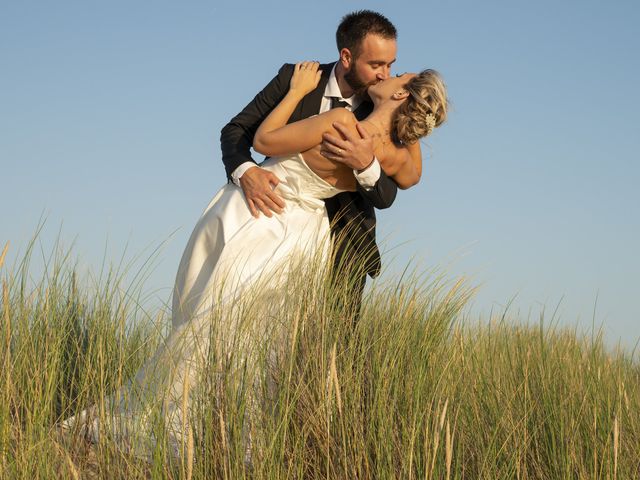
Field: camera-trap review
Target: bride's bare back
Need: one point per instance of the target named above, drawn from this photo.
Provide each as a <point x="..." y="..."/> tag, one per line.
<point x="338" y="174"/>
<point x="305" y="136"/>
<point x="334" y="173"/>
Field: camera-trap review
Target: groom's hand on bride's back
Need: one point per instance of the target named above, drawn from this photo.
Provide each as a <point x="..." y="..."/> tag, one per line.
<point x="258" y="186"/>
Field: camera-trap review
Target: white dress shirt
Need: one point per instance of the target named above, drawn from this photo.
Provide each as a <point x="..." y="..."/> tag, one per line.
<point x="366" y="178"/>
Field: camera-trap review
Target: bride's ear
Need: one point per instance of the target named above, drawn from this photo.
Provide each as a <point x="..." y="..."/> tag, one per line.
<point x="400" y="94"/>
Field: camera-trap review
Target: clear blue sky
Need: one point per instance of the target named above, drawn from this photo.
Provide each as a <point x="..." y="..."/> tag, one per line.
<point x="110" y="115"/>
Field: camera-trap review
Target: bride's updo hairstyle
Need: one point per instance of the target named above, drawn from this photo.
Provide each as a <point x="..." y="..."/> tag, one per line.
<point x="425" y="107"/>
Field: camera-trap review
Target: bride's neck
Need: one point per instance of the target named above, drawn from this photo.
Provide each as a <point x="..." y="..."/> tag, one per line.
<point x="381" y="117"/>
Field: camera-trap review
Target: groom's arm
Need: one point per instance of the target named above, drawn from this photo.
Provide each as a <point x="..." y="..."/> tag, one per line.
<point x="383" y="192"/>
<point x="236" y="136"/>
<point x="236" y="139"/>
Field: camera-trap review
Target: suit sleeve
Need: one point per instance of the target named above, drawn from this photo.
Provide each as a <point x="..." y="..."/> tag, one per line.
<point x="383" y="193"/>
<point x="236" y="136"/>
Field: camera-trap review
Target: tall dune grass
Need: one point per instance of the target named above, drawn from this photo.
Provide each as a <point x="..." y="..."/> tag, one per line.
<point x="412" y="388"/>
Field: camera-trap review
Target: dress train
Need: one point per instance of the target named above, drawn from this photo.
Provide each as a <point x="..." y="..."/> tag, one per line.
<point x="231" y="258"/>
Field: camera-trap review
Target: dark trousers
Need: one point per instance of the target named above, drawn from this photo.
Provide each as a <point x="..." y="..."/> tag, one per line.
<point x="348" y="275"/>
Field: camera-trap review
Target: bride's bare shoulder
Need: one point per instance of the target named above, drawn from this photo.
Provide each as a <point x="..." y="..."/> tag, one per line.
<point x="341" y="115"/>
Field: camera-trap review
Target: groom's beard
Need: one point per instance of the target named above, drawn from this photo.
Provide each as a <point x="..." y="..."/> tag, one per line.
<point x="358" y="86"/>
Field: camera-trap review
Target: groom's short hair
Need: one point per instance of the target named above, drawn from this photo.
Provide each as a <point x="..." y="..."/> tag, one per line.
<point x="356" y="25"/>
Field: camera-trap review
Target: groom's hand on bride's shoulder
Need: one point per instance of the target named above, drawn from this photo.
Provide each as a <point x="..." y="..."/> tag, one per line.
<point x="258" y="186"/>
<point x="354" y="151"/>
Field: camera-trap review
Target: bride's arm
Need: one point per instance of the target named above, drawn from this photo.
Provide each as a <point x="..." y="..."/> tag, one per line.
<point x="404" y="164"/>
<point x="274" y="137"/>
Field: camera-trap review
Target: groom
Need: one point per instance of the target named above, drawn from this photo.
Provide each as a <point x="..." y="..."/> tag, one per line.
<point x="366" y="43"/>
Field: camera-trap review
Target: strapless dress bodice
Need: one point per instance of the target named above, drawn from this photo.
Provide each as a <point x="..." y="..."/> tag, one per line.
<point x="299" y="184"/>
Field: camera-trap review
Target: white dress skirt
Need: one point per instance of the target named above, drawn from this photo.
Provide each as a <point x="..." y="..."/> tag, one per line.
<point x="231" y="257"/>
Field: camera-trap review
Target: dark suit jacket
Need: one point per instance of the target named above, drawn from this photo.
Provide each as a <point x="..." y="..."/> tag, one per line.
<point x="351" y="214"/>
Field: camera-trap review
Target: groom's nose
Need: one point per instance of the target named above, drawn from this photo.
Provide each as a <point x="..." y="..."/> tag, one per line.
<point x="384" y="73"/>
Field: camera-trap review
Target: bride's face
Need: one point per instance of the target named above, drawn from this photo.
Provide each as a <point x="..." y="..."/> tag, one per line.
<point x="386" y="89"/>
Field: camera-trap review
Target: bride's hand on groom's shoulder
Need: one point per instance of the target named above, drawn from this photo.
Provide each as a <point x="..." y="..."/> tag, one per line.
<point x="306" y="76"/>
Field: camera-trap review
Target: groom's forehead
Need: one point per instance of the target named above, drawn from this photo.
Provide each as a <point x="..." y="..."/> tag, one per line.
<point x="378" y="47"/>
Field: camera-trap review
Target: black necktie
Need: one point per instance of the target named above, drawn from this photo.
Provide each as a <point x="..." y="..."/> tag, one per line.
<point x="336" y="102"/>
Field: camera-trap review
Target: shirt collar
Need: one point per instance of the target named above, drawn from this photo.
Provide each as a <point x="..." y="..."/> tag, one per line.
<point x="333" y="90"/>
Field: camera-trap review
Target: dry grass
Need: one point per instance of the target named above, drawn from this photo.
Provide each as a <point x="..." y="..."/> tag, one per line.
<point x="410" y="389"/>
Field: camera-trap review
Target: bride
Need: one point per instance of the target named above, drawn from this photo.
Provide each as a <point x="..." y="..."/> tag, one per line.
<point x="231" y="253"/>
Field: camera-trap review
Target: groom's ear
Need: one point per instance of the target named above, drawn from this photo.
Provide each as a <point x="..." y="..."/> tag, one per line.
<point x="346" y="59"/>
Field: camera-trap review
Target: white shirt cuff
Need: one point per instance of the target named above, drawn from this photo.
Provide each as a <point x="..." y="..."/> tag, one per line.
<point x="238" y="172"/>
<point x="369" y="176"/>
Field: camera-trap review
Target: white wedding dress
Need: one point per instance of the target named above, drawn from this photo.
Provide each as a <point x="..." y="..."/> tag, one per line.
<point x="229" y="255"/>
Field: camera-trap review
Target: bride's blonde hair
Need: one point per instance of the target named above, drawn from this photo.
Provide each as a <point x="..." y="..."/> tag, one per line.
<point x="425" y="107"/>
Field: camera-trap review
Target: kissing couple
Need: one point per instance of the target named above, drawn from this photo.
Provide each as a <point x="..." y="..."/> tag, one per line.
<point x="340" y="139"/>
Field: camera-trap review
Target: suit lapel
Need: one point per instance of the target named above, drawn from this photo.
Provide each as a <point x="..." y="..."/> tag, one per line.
<point x="310" y="104"/>
<point x="363" y="110"/>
